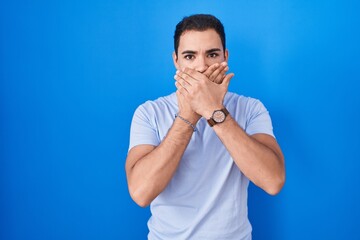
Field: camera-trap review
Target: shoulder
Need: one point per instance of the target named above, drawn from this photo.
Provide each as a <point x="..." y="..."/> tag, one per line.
<point x="158" y="105"/>
<point x="242" y="103"/>
<point x="250" y="113"/>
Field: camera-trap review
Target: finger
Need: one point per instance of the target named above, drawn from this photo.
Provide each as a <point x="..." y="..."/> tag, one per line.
<point x="192" y="76"/>
<point x="220" y="77"/>
<point x="218" y="74"/>
<point x="227" y="79"/>
<point x="215" y="73"/>
<point x="189" y="79"/>
<point x="181" y="81"/>
<point x="211" y="69"/>
<point x="180" y="88"/>
<point x="178" y="85"/>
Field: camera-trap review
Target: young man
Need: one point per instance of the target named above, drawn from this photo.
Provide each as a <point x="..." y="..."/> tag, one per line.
<point x="192" y="153"/>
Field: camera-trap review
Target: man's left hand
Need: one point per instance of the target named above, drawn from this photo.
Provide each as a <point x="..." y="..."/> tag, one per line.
<point x="203" y="95"/>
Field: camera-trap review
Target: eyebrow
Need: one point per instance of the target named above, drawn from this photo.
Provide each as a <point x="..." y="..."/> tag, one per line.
<point x="207" y="51"/>
<point x="213" y="50"/>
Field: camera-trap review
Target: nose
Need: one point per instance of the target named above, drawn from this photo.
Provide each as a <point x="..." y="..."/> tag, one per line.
<point x="201" y="64"/>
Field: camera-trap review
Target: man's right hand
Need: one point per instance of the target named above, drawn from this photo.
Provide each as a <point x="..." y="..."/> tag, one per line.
<point x="185" y="110"/>
<point x="216" y="72"/>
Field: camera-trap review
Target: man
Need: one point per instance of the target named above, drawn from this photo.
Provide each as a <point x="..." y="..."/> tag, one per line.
<point x="192" y="153"/>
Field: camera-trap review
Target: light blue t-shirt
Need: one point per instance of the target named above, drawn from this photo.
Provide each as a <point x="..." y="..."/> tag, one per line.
<point x="207" y="196"/>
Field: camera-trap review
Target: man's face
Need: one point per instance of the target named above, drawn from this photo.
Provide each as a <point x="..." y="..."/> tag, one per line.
<point x="199" y="50"/>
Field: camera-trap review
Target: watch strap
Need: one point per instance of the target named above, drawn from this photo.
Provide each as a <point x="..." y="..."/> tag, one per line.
<point x="211" y="122"/>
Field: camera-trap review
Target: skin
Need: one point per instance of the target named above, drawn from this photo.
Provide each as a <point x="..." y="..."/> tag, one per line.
<point x="202" y="83"/>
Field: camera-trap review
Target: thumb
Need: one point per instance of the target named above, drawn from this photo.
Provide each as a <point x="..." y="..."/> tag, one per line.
<point x="227" y="79"/>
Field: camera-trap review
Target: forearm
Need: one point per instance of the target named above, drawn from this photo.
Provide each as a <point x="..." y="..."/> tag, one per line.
<point x="149" y="176"/>
<point x="261" y="164"/>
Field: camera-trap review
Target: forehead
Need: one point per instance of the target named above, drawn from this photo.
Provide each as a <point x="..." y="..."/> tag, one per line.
<point x="197" y="40"/>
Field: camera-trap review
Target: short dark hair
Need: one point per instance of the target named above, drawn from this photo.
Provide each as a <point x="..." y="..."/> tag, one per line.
<point x="198" y="22"/>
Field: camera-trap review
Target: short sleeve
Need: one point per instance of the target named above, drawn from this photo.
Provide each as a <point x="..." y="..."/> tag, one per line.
<point x="143" y="129"/>
<point x="258" y="119"/>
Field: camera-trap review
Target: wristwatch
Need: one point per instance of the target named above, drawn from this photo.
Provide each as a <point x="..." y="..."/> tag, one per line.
<point x="218" y="116"/>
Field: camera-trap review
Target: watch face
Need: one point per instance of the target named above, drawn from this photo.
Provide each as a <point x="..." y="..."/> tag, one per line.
<point x="218" y="116"/>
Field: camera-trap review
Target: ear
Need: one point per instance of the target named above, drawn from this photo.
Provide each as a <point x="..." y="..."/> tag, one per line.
<point x="226" y="55"/>
<point x="175" y="59"/>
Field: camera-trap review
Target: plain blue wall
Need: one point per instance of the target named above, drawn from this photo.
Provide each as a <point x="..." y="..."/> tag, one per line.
<point x="73" y="72"/>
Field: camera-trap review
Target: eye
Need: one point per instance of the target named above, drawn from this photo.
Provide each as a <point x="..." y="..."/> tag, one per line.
<point x="189" y="57"/>
<point x="213" y="55"/>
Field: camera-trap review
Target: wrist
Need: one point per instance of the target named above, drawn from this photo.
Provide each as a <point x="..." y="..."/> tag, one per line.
<point x="186" y="121"/>
<point x="192" y="117"/>
<point x="208" y="113"/>
<point x="218" y="116"/>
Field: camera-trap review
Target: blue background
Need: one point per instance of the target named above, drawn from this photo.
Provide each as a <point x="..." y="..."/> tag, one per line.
<point x="73" y="72"/>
